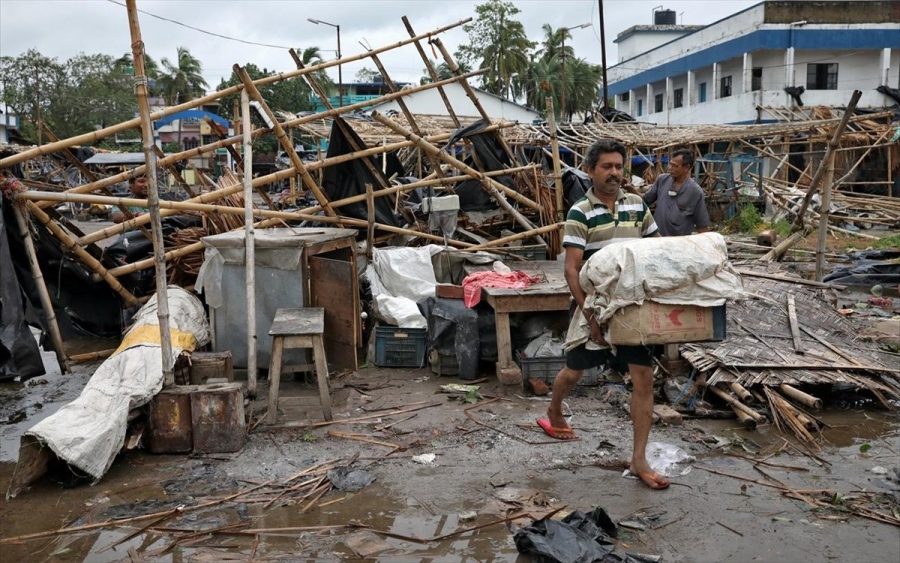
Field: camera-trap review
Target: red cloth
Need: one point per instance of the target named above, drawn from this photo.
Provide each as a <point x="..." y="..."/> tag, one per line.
<point x="473" y="283"/>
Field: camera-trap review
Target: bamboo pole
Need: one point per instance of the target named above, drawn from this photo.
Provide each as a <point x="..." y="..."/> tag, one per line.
<point x="282" y="140"/>
<point x="159" y="249"/>
<point x="740" y="391"/>
<point x="832" y="145"/>
<point x="370" y="211"/>
<point x="67" y="154"/>
<point x="735" y="403"/>
<point x="249" y="240"/>
<point x="199" y="151"/>
<point x="261" y="181"/>
<point x="46" y="303"/>
<point x="489" y="184"/>
<point x="517" y="236"/>
<point x="88" y="260"/>
<point x="745" y="419"/>
<point x="557" y="175"/>
<point x="90" y="138"/>
<point x="798" y="395"/>
<point x="823" y="217"/>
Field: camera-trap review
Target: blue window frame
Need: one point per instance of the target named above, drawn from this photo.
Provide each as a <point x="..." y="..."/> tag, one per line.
<point x="702" y="92"/>
<point x="640" y="108"/>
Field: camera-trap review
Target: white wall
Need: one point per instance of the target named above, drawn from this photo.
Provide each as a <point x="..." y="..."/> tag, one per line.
<point x="642" y="41"/>
<point x="429" y="102"/>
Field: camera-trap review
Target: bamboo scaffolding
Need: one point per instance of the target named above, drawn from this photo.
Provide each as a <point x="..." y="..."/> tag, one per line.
<point x="94" y="136"/>
<point x="162" y="298"/>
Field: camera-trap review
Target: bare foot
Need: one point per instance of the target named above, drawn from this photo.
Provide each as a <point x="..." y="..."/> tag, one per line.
<point x="648" y="476"/>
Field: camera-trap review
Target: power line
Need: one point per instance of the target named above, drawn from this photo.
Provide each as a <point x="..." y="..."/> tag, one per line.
<point x="203" y="30"/>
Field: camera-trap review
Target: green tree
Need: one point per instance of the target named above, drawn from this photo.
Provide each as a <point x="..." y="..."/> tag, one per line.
<point x="312" y="56"/>
<point x="366" y="74"/>
<point x="498" y="43"/>
<point x="125" y="65"/>
<point x="443" y="71"/>
<point x="182" y="80"/>
<point x="32" y="86"/>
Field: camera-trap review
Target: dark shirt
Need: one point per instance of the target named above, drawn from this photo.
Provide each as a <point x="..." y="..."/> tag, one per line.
<point x="677" y="215"/>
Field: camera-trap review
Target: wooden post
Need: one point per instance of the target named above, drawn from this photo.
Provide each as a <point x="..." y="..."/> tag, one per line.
<point x="823" y="217"/>
<point x="159" y="250"/>
<point x="283" y="140"/>
<point x="46" y="303"/>
<point x="832" y="145"/>
<point x="798" y="395"/>
<point x="370" y="212"/>
<point x="249" y="245"/>
<point x="557" y="175"/>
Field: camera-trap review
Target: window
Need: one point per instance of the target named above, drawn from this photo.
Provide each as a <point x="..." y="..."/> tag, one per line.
<point x="624" y="96"/>
<point x="640" y="108"/>
<point x="756" y="80"/>
<point x="679" y="98"/>
<point x="191" y="143"/>
<point x="821" y="76"/>
<point x="658" y="103"/>
<point x="702" y="92"/>
<point x="725" y="87"/>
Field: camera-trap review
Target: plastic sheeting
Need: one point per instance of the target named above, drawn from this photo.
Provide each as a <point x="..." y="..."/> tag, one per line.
<point x="89" y="432"/>
<point x="692" y="270"/>
<point x="399" y="278"/>
<point x="19" y="352"/>
<point x="453" y="330"/>
<point x="491" y="157"/>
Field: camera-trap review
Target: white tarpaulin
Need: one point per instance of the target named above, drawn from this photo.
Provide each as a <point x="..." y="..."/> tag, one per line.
<point x="89" y="432"/>
<point x="400" y="277"/>
<point x="692" y="270"/>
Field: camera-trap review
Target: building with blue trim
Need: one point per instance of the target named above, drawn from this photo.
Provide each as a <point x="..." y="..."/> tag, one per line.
<point x="726" y="72"/>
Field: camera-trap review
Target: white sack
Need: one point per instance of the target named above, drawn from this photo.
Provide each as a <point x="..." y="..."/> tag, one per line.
<point x="89" y="432"/>
<point x="691" y="270"/>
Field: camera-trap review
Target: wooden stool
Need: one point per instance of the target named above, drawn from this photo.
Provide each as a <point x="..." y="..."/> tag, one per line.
<point x="298" y="328"/>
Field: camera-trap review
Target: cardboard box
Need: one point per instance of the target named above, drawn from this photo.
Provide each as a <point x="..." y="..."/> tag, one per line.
<point x="657" y="323"/>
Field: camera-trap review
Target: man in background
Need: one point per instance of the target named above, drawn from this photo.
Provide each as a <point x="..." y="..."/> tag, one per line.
<point x="680" y="203"/>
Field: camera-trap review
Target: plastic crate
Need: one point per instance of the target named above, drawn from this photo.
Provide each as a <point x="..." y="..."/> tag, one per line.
<point x="400" y="347"/>
<point x="536" y="252"/>
<point x="546" y="369"/>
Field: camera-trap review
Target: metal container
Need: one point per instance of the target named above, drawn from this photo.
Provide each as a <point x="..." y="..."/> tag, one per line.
<point x="170" y="422"/>
<point x="217" y="415"/>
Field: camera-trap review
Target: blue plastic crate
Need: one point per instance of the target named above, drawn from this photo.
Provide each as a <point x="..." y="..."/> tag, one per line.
<point x="400" y="347"/>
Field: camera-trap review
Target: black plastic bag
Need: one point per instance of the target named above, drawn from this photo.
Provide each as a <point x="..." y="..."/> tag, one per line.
<point x="578" y="538"/>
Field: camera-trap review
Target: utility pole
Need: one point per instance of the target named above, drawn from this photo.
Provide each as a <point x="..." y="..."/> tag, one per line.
<point x="603" y="56"/>
<point x="37" y="76"/>
<point x="564" y="109"/>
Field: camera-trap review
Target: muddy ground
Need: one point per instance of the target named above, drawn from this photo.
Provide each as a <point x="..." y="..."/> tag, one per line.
<point x="703" y="516"/>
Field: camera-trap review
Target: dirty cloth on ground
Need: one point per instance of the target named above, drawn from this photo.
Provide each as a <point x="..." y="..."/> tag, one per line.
<point x="89" y="432"/>
<point x="577" y="538"/>
<point x="692" y="270"/>
<point x="473" y="283"/>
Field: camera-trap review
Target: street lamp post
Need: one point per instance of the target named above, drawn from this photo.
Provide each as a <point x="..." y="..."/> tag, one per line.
<point x="340" y="76"/>
<point x="563" y="66"/>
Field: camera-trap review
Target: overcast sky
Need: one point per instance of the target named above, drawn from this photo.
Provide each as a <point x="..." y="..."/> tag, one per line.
<point x="63" y="28"/>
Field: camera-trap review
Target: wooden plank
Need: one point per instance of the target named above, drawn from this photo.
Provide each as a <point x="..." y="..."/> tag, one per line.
<point x="504" y="341"/>
<point x="333" y="287"/>
<point x="526" y="303"/>
<point x="302" y="321"/>
<point x="795" y="326"/>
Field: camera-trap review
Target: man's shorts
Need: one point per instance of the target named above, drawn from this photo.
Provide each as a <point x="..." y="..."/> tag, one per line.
<point x="580" y="358"/>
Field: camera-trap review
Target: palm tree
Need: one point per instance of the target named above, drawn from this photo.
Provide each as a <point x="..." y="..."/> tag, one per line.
<point x="542" y="80"/>
<point x="582" y="87"/>
<point x="183" y="80"/>
<point x="312" y="56"/>
<point x="551" y="47"/>
<point x="443" y="71"/>
<point x="506" y="58"/>
<point x="151" y="68"/>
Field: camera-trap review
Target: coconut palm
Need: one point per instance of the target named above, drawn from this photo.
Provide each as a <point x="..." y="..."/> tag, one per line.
<point x="182" y="80"/>
<point x="443" y="71"/>
<point x="551" y="46"/>
<point x="151" y="69"/>
<point x="505" y="58"/>
<point x="312" y="56"/>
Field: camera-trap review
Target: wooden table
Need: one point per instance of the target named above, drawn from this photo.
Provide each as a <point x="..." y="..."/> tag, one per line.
<point x="551" y="294"/>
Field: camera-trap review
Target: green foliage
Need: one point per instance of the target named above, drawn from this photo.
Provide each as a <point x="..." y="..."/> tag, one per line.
<point x="182" y="80"/>
<point x="748" y="220"/>
<point x="892" y="241"/>
<point x="172" y="147"/>
<point x="782" y="227"/>
<point x="309" y="437"/>
<point x="366" y="74"/>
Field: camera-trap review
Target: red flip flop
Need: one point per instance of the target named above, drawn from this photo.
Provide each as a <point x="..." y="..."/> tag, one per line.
<point x="653" y="480"/>
<point x="556" y="433"/>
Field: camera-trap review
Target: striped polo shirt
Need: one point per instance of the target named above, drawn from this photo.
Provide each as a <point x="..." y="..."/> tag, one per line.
<point x="591" y="225"/>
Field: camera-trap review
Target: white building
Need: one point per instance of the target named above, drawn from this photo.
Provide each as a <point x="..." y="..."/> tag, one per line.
<point x="429" y="102"/>
<point x="721" y="73"/>
<point x="8" y="123"/>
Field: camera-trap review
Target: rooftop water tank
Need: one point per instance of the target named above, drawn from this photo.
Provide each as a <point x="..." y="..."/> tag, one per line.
<point x="664" y="17"/>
